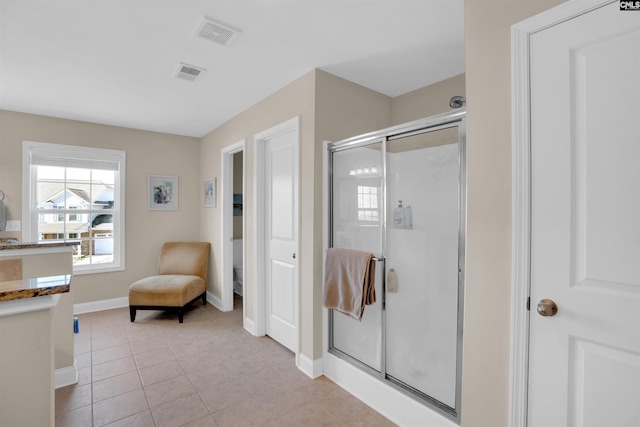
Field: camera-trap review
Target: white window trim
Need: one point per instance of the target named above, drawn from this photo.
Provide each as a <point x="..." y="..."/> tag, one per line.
<point x="29" y="221"/>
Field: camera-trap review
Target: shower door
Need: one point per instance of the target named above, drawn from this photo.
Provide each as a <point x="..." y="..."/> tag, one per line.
<point x="399" y="194"/>
<point x="357" y="223"/>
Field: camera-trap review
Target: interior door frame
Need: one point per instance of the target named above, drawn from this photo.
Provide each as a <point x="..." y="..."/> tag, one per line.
<point x="521" y="194"/>
<point x="260" y="226"/>
<point x="226" y="208"/>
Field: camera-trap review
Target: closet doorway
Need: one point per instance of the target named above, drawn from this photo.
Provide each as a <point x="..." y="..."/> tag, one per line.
<point x="233" y="188"/>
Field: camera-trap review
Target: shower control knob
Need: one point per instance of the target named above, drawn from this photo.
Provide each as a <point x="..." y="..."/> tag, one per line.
<point x="547" y="308"/>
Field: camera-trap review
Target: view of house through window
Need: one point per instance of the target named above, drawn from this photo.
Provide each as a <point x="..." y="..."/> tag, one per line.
<point x="75" y="203"/>
<point x="76" y="193"/>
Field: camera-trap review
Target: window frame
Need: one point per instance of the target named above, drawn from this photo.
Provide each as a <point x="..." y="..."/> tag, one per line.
<point x="73" y="153"/>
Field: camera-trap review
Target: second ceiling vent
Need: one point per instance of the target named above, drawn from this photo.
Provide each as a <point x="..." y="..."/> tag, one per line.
<point x="216" y="32"/>
<point x="188" y="72"/>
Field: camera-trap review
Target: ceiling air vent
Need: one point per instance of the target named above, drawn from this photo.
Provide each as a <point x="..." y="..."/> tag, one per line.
<point x="188" y="72"/>
<point x="216" y="32"/>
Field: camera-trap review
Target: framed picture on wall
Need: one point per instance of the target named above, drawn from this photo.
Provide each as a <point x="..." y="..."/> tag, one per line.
<point x="162" y="193"/>
<point x="209" y="193"/>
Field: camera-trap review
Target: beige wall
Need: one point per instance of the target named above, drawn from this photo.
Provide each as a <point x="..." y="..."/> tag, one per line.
<point x="427" y="101"/>
<point x="485" y="371"/>
<point x="147" y="153"/>
<point x="343" y="110"/>
<point x="296" y="99"/>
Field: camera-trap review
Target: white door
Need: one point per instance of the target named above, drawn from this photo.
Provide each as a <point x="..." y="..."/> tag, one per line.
<point x="281" y="267"/>
<point x="584" y="362"/>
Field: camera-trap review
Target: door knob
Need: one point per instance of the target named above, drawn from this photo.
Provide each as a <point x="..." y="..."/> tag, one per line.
<point x="547" y="307"/>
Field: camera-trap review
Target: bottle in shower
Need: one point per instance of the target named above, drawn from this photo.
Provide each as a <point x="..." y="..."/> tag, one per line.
<point x="408" y="218"/>
<point x="398" y="216"/>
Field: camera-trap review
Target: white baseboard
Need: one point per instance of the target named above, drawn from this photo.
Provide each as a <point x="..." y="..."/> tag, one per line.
<point x="312" y="368"/>
<point x="66" y="376"/>
<point x="104" y="304"/>
<point x="249" y="325"/>
<point x="214" y="301"/>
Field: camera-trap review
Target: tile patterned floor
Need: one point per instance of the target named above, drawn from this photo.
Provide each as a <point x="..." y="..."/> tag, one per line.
<point x="207" y="371"/>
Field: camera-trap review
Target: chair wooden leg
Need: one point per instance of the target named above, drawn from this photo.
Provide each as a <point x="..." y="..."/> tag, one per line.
<point x="180" y="316"/>
<point x="132" y="314"/>
<point x="204" y="298"/>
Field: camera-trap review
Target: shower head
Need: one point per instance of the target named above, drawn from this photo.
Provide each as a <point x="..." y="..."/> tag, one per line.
<point x="457" y="101"/>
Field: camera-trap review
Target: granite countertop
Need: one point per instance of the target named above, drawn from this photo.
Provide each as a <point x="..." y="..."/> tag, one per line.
<point x="29" y="288"/>
<point x="35" y="245"/>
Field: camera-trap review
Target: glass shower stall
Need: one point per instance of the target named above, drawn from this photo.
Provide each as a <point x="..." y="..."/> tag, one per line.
<point x="399" y="193"/>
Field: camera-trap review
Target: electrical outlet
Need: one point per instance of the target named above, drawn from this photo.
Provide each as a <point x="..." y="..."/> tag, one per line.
<point x="13" y="225"/>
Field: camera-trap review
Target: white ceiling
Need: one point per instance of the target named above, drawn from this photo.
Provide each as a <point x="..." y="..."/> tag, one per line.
<point x="113" y="61"/>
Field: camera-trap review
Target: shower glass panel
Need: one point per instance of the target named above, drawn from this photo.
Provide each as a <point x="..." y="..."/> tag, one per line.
<point x="422" y="249"/>
<point x="357" y="208"/>
<point x="399" y="193"/>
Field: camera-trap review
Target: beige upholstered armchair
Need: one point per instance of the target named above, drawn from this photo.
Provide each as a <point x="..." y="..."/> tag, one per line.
<point x="181" y="280"/>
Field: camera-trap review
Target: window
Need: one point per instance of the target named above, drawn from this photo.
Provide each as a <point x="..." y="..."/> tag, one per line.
<point x="76" y="193"/>
<point x="368" y="203"/>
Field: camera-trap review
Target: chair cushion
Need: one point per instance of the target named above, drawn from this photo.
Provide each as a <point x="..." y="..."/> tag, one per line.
<point x="168" y="290"/>
<point x="184" y="258"/>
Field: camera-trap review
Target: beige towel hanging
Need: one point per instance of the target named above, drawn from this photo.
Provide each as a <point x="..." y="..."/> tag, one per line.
<point x="349" y="282"/>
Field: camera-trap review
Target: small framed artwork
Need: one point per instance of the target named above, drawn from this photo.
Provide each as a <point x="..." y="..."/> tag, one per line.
<point x="209" y="193"/>
<point x="162" y="193"/>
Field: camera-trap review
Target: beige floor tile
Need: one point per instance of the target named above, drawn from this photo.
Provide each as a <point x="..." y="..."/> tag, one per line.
<point x="85" y="375"/>
<point x="111" y="353"/>
<point x="79" y="417"/>
<point x="163" y="371"/>
<point x="318" y="388"/>
<point x="245" y="365"/>
<point x="119" y="407"/>
<point x="72" y="397"/>
<point x="310" y="415"/>
<point x="259" y="382"/>
<point x="202" y="360"/>
<point x="109" y="341"/>
<point x="151" y="358"/>
<point x="179" y="412"/>
<point x="168" y="390"/>
<point x="141" y="419"/>
<point x="137" y="331"/>
<point x="83" y="360"/>
<point x="370" y="418"/>
<point x="80" y="347"/>
<point x="113" y="368"/>
<point x="282" y="400"/>
<point x="248" y="413"/>
<point x="115" y="386"/>
<point x="149" y="344"/>
<point x="224" y="396"/>
<point x="106" y="330"/>
<point x="207" y="421"/>
<point x="342" y="405"/>
<point x="210" y="377"/>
